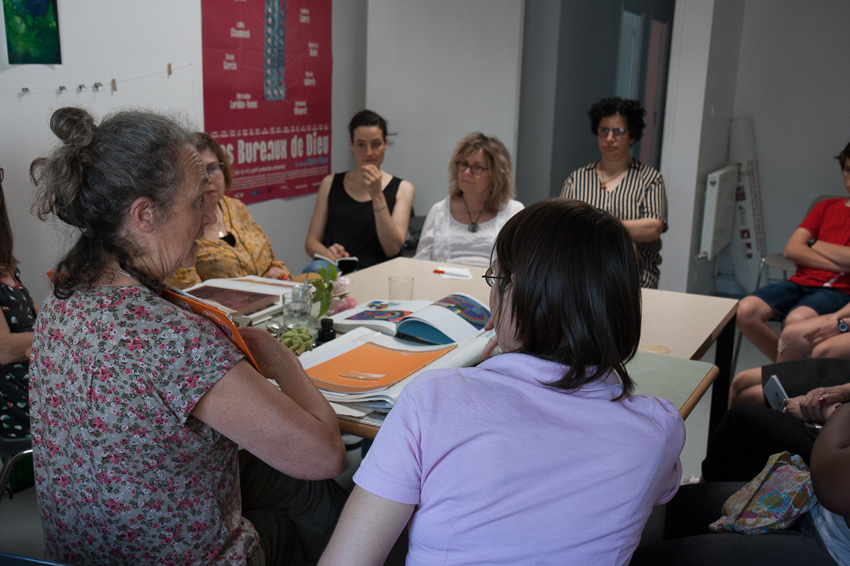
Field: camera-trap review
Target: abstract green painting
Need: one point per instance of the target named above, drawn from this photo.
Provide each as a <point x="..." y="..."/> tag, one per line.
<point x="32" y="32"/>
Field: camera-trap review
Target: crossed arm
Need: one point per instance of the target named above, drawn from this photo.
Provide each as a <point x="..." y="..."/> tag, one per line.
<point x="292" y="429"/>
<point x="822" y="255"/>
<point x="644" y="230"/>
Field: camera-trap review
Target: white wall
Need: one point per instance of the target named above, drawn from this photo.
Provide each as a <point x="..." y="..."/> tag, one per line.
<point x="701" y="87"/>
<point x="790" y="77"/>
<point x="101" y="40"/>
<point x="437" y="71"/>
<point x="536" y="131"/>
<point x="793" y="81"/>
<point x="133" y="43"/>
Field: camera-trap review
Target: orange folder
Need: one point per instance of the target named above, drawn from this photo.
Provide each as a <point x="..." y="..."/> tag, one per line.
<point x="371" y="367"/>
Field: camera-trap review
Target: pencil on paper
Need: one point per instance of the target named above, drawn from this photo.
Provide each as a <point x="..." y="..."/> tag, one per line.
<point x="359" y="375"/>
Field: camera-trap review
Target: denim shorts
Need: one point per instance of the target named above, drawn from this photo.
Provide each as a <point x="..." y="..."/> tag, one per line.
<point x="785" y="296"/>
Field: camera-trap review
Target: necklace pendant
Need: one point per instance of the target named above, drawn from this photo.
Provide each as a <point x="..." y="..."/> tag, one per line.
<point x="603" y="186"/>
<point x="473" y="227"/>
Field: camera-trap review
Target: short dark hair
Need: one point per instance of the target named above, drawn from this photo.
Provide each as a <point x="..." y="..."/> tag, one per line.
<point x="844" y="156"/>
<point x="8" y="263"/>
<point x="205" y="142"/>
<point x="631" y="110"/>
<point x="573" y="285"/>
<point x="369" y="119"/>
<point x="91" y="180"/>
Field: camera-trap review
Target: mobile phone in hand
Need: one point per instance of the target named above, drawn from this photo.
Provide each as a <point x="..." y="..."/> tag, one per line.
<point x="775" y="393"/>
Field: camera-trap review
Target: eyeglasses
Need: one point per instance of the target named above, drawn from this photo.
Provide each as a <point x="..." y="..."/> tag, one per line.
<point x="490" y="276"/>
<point x="618" y="132"/>
<point x="476" y="170"/>
<point x="215" y="169"/>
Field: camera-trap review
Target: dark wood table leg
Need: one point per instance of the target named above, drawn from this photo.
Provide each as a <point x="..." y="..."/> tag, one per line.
<point x="723" y="360"/>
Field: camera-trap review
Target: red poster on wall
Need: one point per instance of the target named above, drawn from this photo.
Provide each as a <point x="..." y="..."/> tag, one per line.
<point x="267" y="92"/>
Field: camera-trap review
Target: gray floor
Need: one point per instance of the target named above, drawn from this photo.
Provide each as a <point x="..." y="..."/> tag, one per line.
<point x="20" y="525"/>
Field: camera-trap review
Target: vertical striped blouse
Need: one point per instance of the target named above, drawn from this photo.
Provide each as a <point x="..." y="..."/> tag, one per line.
<point x="640" y="194"/>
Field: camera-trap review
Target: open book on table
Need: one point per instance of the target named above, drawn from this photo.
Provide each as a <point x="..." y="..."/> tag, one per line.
<point x="454" y="318"/>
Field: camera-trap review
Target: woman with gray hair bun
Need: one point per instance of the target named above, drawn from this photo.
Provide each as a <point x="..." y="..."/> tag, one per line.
<point x="139" y="407"/>
<point x="463" y="227"/>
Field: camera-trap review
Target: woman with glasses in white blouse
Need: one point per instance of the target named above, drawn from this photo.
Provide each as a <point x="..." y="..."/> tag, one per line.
<point x="622" y="185"/>
<point x="462" y="227"/>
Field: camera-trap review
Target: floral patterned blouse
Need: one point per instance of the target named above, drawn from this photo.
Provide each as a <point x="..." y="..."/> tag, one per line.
<point x="19" y="312"/>
<point x="124" y="473"/>
<point x="248" y="253"/>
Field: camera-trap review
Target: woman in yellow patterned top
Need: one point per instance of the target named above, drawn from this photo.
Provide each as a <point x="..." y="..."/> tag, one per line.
<point x="234" y="245"/>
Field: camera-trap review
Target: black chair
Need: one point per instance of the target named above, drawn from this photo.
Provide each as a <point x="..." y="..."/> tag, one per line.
<point x="14" y="449"/>
<point x="414" y="230"/>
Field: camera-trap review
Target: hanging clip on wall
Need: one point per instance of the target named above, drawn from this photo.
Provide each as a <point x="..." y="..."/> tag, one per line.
<point x="62" y="89"/>
<point x="97" y="87"/>
<point x="24" y="91"/>
<point x="169" y="70"/>
<point x="114" y="85"/>
<point x="81" y="88"/>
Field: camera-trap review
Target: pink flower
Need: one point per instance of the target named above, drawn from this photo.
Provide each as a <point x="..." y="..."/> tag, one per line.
<point x="341" y="284"/>
<point x="339" y="304"/>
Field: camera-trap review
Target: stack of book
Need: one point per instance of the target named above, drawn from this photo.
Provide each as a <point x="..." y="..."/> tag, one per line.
<point x="389" y="343"/>
<point x="248" y="300"/>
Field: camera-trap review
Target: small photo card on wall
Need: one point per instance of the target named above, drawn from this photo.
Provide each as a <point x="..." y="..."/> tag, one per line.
<point x="32" y="32"/>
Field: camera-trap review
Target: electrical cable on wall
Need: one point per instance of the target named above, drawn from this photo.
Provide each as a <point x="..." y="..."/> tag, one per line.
<point x="96" y="86"/>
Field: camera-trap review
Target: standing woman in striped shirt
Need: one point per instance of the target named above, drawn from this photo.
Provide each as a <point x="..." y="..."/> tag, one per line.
<point x="623" y="186"/>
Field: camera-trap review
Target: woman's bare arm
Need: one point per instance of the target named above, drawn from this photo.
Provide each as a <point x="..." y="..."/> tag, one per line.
<point x="14" y="346"/>
<point x="293" y="429"/>
<point x="830" y="464"/>
<point x="391" y="228"/>
<point x="367" y="530"/>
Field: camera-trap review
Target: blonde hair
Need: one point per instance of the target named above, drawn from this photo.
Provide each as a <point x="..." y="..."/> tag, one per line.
<point x="499" y="162"/>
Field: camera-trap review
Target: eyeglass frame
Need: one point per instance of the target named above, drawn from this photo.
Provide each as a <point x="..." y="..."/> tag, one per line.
<point x="603" y="131"/>
<point x="215" y="169"/>
<point x="490" y="278"/>
<point x="462" y="166"/>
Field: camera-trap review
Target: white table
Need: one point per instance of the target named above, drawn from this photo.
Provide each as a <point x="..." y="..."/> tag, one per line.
<point x="679" y="325"/>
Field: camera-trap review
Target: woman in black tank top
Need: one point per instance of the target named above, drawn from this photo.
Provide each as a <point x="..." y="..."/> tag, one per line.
<point x="364" y="212"/>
